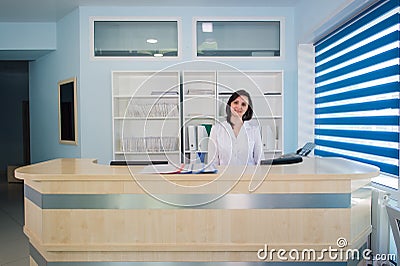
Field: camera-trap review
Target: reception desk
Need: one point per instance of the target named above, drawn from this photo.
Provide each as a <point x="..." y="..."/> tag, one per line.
<point x="78" y="212"/>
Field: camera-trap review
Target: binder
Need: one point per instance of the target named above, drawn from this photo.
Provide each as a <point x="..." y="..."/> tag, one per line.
<point x="192" y="137"/>
<point x="268" y="138"/>
<point x="202" y="138"/>
<point x="208" y="128"/>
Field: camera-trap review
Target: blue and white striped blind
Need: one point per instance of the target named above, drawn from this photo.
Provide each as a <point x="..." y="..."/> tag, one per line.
<point x="357" y="89"/>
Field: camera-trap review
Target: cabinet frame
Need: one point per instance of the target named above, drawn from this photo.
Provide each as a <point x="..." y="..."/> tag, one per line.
<point x="279" y="19"/>
<point x="93" y="19"/>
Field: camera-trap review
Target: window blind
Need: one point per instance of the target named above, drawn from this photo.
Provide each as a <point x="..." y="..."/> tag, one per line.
<point x="357" y="89"/>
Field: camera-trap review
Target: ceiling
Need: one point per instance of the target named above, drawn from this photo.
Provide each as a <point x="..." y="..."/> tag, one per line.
<point x="53" y="10"/>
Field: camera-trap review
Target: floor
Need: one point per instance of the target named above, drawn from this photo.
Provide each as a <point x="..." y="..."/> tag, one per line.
<point x="14" y="249"/>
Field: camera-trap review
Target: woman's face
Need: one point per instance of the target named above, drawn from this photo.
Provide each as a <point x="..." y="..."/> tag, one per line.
<point x="239" y="106"/>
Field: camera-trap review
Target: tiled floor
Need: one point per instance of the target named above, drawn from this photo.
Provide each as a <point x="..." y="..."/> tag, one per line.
<point x="14" y="249"/>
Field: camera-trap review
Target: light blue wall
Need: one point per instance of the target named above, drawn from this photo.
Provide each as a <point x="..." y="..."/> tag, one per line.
<point x="44" y="75"/>
<point x="95" y="84"/>
<point x="28" y="36"/>
<point x="315" y="17"/>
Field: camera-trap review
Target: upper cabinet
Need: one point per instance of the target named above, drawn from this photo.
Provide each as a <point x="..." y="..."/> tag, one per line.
<point x="221" y="37"/>
<point x="150" y="38"/>
<point x="159" y="38"/>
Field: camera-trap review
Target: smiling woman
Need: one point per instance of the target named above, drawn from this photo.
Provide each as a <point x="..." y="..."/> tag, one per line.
<point x="236" y="141"/>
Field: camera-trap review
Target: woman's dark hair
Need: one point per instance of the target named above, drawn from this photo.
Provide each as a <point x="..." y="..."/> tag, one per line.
<point x="248" y="114"/>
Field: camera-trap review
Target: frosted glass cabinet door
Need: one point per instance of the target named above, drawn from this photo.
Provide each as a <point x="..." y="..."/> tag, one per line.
<point x="135" y="38"/>
<point x="238" y="38"/>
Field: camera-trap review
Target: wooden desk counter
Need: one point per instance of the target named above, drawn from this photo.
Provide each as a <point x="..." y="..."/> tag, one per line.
<point x="77" y="212"/>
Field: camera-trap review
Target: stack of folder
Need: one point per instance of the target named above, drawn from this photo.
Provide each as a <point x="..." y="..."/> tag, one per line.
<point x="193" y="168"/>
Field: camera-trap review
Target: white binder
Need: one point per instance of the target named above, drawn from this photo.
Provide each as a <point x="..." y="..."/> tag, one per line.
<point x="202" y="138"/>
<point x="268" y="137"/>
<point x="192" y="137"/>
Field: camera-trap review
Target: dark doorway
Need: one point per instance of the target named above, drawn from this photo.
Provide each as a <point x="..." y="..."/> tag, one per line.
<point x="14" y="115"/>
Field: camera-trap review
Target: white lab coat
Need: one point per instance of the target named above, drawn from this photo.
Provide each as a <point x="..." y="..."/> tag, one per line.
<point x="224" y="148"/>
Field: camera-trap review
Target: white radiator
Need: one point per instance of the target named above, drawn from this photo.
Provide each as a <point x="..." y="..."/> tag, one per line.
<point x="379" y="240"/>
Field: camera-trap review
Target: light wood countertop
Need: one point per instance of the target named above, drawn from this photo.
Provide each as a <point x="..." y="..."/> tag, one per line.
<point x="313" y="168"/>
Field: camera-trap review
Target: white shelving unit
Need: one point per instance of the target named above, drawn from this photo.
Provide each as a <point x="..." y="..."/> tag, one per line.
<point x="146" y="115"/>
<point x="167" y="115"/>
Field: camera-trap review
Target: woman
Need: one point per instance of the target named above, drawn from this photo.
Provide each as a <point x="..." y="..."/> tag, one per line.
<point x="236" y="141"/>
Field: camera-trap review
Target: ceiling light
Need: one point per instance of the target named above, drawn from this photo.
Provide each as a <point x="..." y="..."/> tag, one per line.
<point x="207" y="27"/>
<point x="151" y="40"/>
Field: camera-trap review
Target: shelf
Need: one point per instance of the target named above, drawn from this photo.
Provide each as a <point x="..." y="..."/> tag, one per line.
<point x="266" y="96"/>
<point x="148" y="152"/>
<point x="268" y="117"/>
<point x="272" y="151"/>
<point x="272" y="94"/>
<point x="258" y="117"/>
<point x="147" y="96"/>
<point x="187" y="151"/>
<point x="199" y="117"/>
<point x="146" y="118"/>
<point x="207" y="96"/>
